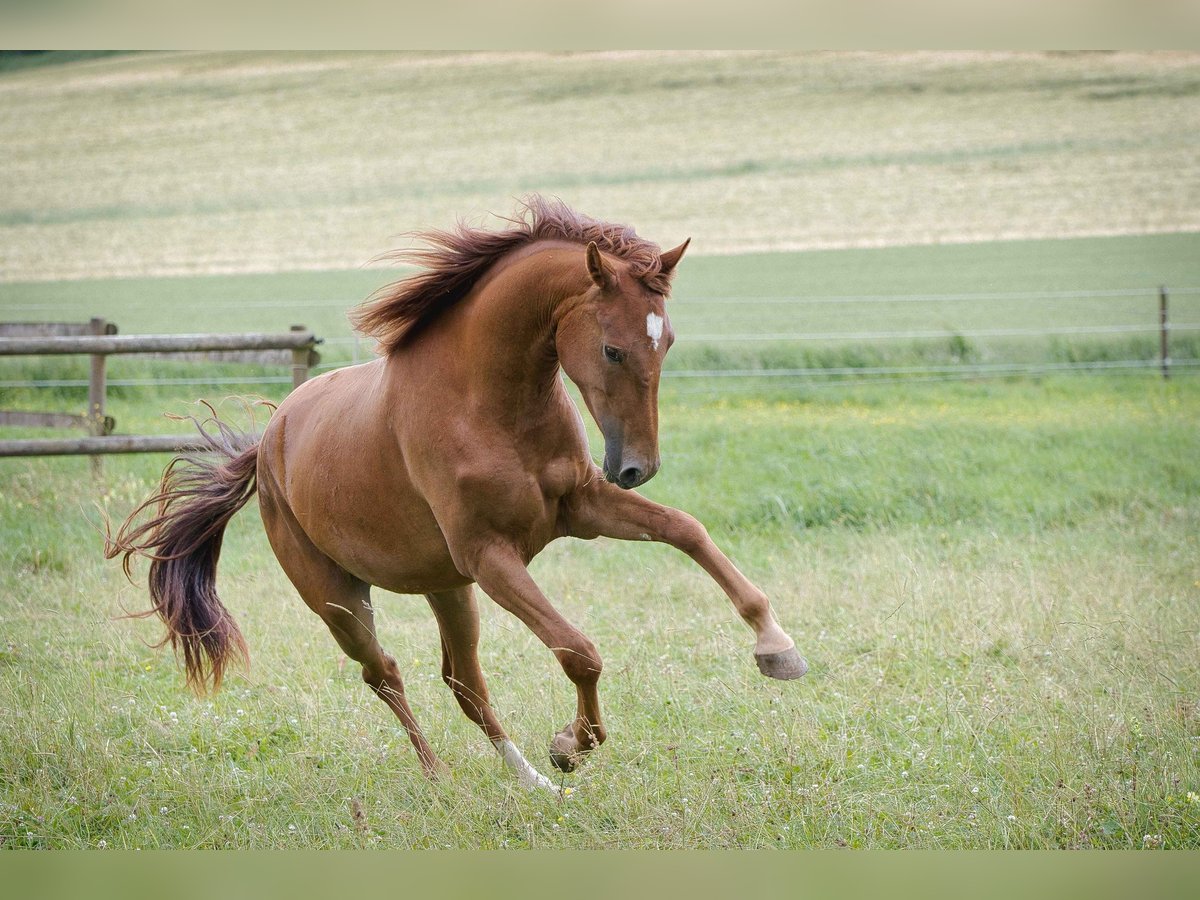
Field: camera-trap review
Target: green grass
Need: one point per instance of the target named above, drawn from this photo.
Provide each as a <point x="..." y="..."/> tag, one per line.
<point x="995" y="584"/>
<point x="20" y="60"/>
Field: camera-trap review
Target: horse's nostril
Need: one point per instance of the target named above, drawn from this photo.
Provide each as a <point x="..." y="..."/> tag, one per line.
<point x="631" y="475"/>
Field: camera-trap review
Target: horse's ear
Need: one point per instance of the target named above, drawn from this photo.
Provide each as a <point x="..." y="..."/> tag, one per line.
<point x="600" y="273"/>
<point x="670" y="259"/>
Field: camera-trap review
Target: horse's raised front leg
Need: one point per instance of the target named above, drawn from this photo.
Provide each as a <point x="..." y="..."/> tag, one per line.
<point x="604" y="509"/>
<point x="499" y="570"/>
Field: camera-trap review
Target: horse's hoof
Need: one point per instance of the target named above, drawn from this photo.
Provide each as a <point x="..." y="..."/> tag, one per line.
<point x="564" y="753"/>
<point x="564" y="762"/>
<point x="785" y="666"/>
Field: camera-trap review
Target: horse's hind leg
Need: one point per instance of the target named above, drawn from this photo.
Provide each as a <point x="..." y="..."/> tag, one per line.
<point x="352" y="624"/>
<point x="458" y="621"/>
<point x="343" y="602"/>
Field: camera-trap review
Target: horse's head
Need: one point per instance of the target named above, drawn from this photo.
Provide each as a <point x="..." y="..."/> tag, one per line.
<point x="612" y="344"/>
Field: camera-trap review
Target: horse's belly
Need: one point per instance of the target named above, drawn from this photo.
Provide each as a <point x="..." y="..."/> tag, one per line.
<point x="381" y="538"/>
<point x="412" y="561"/>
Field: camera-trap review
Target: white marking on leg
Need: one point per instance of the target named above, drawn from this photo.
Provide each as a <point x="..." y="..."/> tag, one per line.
<point x="654" y="327"/>
<point x="527" y="775"/>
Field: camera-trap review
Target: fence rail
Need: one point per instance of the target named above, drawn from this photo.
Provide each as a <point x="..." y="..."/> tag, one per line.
<point x="32" y="339"/>
<point x="98" y="446"/>
<point x="108" y="345"/>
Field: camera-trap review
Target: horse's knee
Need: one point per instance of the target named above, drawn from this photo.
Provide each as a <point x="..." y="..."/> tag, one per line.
<point x="580" y="661"/>
<point x="685" y="533"/>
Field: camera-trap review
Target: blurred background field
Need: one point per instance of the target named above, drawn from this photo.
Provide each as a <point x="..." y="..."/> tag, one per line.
<point x="915" y="395"/>
<point x="181" y="163"/>
<point x="272" y="181"/>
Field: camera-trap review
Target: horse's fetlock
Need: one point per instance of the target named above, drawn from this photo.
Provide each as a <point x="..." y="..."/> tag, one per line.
<point x="759" y="604"/>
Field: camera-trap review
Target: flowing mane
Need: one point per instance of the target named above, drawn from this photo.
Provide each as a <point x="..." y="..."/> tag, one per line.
<point x="455" y="260"/>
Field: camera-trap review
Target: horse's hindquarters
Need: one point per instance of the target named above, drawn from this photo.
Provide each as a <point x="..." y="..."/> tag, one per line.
<point x="331" y="470"/>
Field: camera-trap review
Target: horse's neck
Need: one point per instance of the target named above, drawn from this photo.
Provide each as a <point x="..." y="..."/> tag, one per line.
<point x="507" y="324"/>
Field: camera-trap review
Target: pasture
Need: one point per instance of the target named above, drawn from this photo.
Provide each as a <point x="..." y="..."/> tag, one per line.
<point x="1031" y="302"/>
<point x="995" y="581"/>
<point x="995" y="584"/>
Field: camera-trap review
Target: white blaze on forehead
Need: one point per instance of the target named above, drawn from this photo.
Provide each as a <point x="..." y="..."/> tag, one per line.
<point x="527" y="775"/>
<point x="654" y="327"/>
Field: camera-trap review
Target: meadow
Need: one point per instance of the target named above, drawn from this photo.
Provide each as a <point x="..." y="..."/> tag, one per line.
<point x="994" y="580"/>
<point x="995" y="585"/>
<point x="1026" y="303"/>
<point x="191" y="163"/>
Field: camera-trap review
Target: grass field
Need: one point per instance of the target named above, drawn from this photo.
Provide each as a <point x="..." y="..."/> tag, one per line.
<point x="995" y="581"/>
<point x="996" y="586"/>
<point x="179" y="163"/>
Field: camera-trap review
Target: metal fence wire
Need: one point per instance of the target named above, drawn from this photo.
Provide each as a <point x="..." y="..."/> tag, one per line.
<point x="826" y="376"/>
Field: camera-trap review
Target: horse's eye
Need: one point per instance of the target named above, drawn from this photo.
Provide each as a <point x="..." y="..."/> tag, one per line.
<point x="612" y="354"/>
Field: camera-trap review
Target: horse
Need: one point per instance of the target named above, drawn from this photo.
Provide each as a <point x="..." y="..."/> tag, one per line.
<point x="450" y="461"/>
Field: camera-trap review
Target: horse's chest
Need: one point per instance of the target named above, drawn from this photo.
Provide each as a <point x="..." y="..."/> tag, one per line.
<point x="539" y="512"/>
<point x="558" y="478"/>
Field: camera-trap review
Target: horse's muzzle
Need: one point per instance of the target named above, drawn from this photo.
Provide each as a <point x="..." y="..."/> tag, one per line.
<point x="631" y="474"/>
<point x="623" y="467"/>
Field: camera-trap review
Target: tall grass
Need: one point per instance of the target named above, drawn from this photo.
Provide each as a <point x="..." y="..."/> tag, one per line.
<point x="995" y="584"/>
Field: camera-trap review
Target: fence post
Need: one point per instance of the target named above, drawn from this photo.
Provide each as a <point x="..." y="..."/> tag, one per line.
<point x="1164" y="332"/>
<point x="300" y="359"/>
<point x="97" y="391"/>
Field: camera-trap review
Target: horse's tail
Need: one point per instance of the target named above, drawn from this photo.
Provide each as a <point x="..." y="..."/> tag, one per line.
<point x="198" y="496"/>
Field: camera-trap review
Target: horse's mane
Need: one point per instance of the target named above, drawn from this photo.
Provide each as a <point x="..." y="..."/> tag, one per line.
<point x="455" y="261"/>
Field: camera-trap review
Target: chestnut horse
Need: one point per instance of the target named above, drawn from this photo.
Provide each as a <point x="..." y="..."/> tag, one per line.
<point x="451" y="461"/>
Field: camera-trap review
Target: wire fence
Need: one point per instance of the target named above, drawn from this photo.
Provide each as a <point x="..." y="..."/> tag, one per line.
<point x="931" y="372"/>
<point x="794" y="299"/>
<point x="823" y="375"/>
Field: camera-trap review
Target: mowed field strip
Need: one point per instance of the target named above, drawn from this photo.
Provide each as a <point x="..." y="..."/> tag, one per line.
<point x="1020" y="302"/>
<point x="180" y="163"/>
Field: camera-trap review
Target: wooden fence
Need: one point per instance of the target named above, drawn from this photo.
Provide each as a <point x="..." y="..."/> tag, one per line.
<point x="99" y="340"/>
